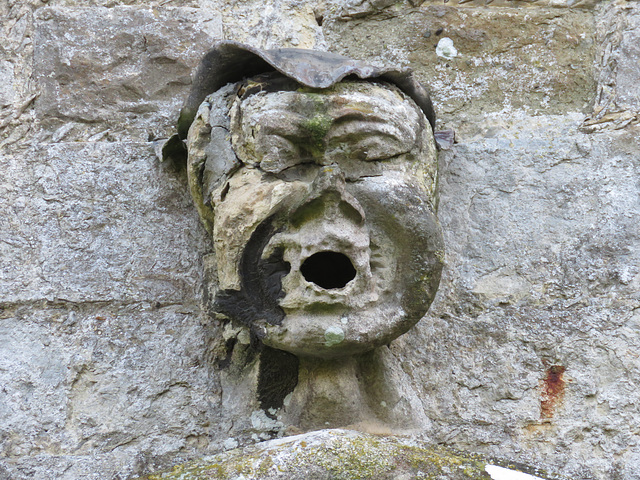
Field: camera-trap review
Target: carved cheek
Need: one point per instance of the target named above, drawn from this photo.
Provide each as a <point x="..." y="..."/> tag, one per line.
<point x="401" y="220"/>
<point x="249" y="201"/>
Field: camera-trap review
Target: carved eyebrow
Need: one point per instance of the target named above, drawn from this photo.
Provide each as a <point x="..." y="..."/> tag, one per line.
<point x="348" y="123"/>
<point x="291" y="128"/>
<point x="353" y="124"/>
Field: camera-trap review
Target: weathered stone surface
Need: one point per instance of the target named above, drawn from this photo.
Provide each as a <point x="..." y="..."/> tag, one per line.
<point x="90" y="222"/>
<point x="101" y="390"/>
<point x="326" y="237"/>
<point x="282" y="23"/>
<point x="629" y="61"/>
<point x="335" y="455"/>
<point x="535" y="325"/>
<point x="617" y="101"/>
<point x="16" y="60"/>
<point x="118" y="3"/>
<point x="121" y="72"/>
<point x="542" y="263"/>
<point x="352" y="9"/>
<point x="356" y="156"/>
<point x="543" y="65"/>
<point x="7" y="88"/>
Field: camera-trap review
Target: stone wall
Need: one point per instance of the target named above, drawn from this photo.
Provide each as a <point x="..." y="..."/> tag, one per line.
<point x="530" y="351"/>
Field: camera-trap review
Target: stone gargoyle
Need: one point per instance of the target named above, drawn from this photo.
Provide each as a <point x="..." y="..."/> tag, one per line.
<point x="316" y="177"/>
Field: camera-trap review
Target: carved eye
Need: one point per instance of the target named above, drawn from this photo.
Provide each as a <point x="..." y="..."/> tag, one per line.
<point x="276" y="153"/>
<point x="370" y="146"/>
<point x="303" y="172"/>
<point x="376" y="148"/>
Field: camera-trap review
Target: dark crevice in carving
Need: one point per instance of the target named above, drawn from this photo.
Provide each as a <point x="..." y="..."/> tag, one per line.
<point x="361" y="178"/>
<point x="261" y="283"/>
<point x="266" y="82"/>
<point x="175" y="150"/>
<point x="228" y="348"/>
<point x="277" y="377"/>
<point x="224" y="192"/>
<point x="328" y="269"/>
<point x="273" y="269"/>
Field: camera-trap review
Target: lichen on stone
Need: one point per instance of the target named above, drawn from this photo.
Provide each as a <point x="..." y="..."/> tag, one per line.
<point x="333" y="336"/>
<point x="336" y="455"/>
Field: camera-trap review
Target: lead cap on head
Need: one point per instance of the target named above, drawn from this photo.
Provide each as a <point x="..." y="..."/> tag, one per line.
<point x="230" y="62"/>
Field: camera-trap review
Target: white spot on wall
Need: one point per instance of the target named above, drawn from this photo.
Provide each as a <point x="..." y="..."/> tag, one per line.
<point x="499" y="473"/>
<point x="261" y="422"/>
<point x="230" y="443"/>
<point x="445" y="48"/>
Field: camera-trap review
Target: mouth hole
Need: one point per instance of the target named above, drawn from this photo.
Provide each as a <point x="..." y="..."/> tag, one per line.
<point x="328" y="270"/>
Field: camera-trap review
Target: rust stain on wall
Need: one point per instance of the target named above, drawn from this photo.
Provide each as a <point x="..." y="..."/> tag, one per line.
<point x="553" y="386"/>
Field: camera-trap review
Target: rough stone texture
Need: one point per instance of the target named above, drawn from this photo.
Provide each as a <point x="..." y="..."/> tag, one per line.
<point x="530" y="351"/>
<point x="545" y="279"/>
<point x="104" y="358"/>
<point x="628" y="63"/>
<point x="544" y="66"/>
<point x="107" y="71"/>
<point x="617" y="102"/>
<point x="102" y="390"/>
<point x="87" y="222"/>
<point x="279" y="23"/>
<point x="336" y="455"/>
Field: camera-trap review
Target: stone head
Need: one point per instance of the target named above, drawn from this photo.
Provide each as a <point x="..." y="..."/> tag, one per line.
<point x="320" y="199"/>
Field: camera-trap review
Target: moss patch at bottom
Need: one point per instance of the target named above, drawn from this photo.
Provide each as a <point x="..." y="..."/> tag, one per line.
<point x="333" y="455"/>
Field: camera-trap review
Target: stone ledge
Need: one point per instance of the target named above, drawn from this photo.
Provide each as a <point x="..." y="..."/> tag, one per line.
<point x="338" y="455"/>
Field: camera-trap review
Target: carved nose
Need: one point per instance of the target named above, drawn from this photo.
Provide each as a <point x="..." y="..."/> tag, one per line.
<point x="330" y="179"/>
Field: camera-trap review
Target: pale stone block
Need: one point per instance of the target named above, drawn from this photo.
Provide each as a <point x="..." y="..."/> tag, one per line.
<point x="97" y="222"/>
<point x="99" y="390"/>
<point x="7" y="91"/>
<point x="543" y="273"/>
<point x="544" y="65"/>
<point x="628" y="72"/>
<point x="126" y="69"/>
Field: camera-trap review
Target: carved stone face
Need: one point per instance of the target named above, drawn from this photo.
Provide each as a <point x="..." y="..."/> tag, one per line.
<point x="323" y="209"/>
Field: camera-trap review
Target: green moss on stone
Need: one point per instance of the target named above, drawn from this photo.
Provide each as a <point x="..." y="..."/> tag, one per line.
<point x="338" y="456"/>
<point x="317" y="127"/>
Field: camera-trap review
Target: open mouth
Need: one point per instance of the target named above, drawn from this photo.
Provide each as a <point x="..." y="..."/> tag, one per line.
<point x="328" y="270"/>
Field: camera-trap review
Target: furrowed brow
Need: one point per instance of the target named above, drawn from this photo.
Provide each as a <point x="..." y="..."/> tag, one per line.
<point x="282" y="123"/>
<point x="354" y="125"/>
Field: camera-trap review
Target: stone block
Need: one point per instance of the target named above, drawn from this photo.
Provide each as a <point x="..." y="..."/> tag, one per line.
<point x="124" y="69"/>
<point x="7" y="90"/>
<point x="286" y="23"/>
<point x="544" y="65"/>
<point x="559" y="205"/>
<point x="351" y="9"/>
<point x="97" y="222"/>
<point x="542" y="275"/>
<point x="628" y="71"/>
<point x="617" y="102"/>
<point x="102" y="390"/>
